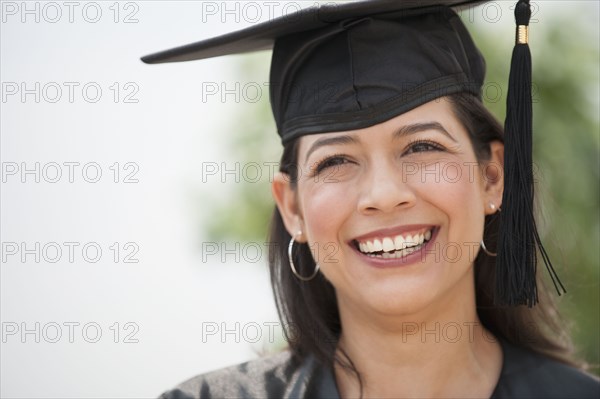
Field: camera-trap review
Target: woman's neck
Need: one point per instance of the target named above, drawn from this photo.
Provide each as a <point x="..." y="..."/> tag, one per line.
<point x="441" y="353"/>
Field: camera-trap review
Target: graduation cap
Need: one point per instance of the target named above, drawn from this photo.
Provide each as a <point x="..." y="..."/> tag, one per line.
<point x="348" y="66"/>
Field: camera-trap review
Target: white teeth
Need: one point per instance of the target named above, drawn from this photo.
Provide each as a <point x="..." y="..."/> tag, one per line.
<point x="377" y="245"/>
<point x="397" y="254"/>
<point x="399" y="242"/>
<point x="370" y="247"/>
<point x="409" y="251"/>
<point x="393" y="245"/>
<point x="388" y="244"/>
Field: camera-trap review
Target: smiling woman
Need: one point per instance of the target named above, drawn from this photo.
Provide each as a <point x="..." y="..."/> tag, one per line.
<point x="383" y="206"/>
<point x="404" y="256"/>
<point x="405" y="253"/>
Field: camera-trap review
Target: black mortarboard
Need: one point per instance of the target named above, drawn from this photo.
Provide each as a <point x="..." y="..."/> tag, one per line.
<point x="337" y="67"/>
<point x="348" y="66"/>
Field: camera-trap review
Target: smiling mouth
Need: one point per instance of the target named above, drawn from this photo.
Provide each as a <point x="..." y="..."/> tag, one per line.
<point x="394" y="247"/>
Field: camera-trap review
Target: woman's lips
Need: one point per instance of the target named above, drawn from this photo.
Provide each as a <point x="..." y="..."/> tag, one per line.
<point x="399" y="242"/>
<point x="393" y="231"/>
<point x="402" y="253"/>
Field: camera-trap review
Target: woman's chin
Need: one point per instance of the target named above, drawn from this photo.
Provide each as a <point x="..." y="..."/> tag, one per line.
<point x="398" y="300"/>
<point x="407" y="294"/>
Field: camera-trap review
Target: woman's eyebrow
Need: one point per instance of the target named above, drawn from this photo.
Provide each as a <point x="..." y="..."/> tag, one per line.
<point x="420" y="127"/>
<point x="343" y="139"/>
<point x="403" y="131"/>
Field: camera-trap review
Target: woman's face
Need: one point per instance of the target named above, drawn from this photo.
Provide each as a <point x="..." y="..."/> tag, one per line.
<point x="394" y="213"/>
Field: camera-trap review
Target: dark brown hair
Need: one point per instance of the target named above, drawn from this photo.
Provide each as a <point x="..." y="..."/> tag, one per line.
<point x="310" y="311"/>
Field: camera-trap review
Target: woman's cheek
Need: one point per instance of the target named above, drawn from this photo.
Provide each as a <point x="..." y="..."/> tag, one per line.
<point x="457" y="193"/>
<point x="325" y="207"/>
<point x="451" y="178"/>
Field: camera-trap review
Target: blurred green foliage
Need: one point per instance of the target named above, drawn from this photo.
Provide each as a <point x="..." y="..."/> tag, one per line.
<point x="247" y="215"/>
<point x="566" y="153"/>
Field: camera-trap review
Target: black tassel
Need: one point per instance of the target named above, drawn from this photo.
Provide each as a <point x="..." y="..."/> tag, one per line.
<point x="519" y="238"/>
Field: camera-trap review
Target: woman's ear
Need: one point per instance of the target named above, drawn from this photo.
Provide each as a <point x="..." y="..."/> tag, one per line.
<point x="287" y="203"/>
<point x="493" y="175"/>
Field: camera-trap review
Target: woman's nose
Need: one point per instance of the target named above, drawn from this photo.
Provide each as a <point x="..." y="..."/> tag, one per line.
<point x="384" y="188"/>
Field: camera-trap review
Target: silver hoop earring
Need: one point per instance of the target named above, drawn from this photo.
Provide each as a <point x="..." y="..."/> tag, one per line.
<point x="293" y="267"/>
<point x="492" y="254"/>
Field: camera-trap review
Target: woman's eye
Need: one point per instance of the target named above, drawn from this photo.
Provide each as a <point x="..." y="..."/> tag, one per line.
<point x="424" y="146"/>
<point x="334" y="161"/>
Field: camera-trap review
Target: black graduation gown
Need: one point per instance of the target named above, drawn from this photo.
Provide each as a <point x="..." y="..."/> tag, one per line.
<point x="525" y="374"/>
